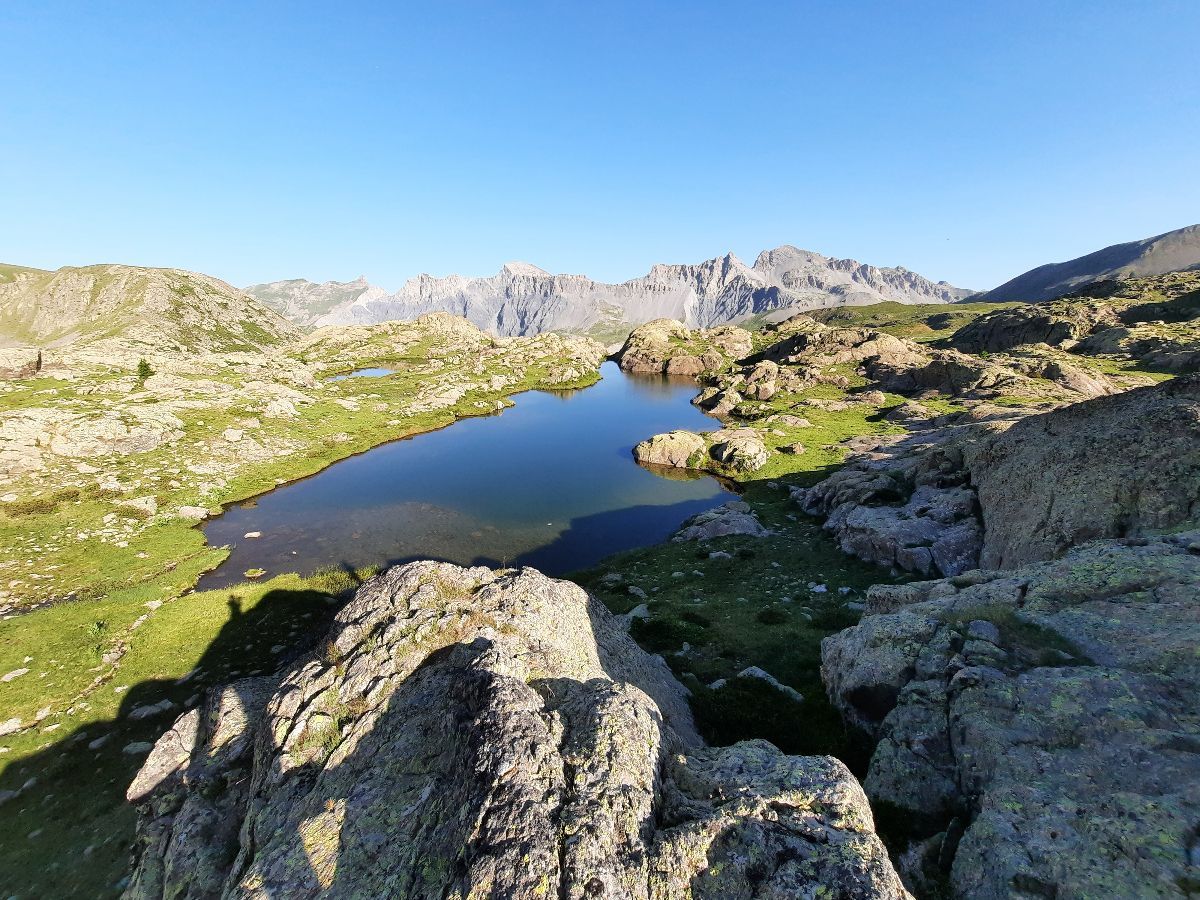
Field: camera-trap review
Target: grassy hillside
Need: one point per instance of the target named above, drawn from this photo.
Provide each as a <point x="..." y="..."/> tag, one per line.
<point x="918" y="322"/>
<point x="141" y="308"/>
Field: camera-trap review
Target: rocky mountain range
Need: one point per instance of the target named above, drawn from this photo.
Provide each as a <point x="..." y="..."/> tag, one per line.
<point x="1173" y="251"/>
<point x="522" y="299"/>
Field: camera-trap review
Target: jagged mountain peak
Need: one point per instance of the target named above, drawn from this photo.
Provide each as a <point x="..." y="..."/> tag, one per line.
<point x="785" y="253"/>
<point x="516" y="267"/>
<point x="526" y="299"/>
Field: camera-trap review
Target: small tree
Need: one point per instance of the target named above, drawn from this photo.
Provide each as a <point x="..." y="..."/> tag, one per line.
<point x="144" y="370"/>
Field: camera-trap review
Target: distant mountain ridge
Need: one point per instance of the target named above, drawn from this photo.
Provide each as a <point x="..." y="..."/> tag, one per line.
<point x="524" y="299"/>
<point x="1173" y="251"/>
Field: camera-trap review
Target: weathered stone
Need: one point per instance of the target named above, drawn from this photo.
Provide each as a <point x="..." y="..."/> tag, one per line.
<point x="1052" y="708"/>
<point x="468" y="734"/>
<point x="1111" y="467"/>
<point x="668" y="346"/>
<point x="679" y="449"/>
<point x="740" y="449"/>
<point x="734" y="517"/>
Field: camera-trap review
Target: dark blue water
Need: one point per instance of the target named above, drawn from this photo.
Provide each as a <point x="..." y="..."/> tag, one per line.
<point x="549" y="483"/>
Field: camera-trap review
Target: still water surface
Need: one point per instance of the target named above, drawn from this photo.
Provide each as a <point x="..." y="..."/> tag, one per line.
<point x="549" y="483"/>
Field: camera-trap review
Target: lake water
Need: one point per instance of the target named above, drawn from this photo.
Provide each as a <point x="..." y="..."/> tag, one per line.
<point x="363" y="373"/>
<point x="549" y="483"/>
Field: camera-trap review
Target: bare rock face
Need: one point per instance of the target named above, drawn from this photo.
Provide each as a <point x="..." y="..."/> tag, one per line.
<point x="723" y="451"/>
<point x="1055" y="324"/>
<point x="1111" y="467"/>
<point x="734" y="517"/>
<point x="1154" y="320"/>
<point x="935" y="532"/>
<point x="524" y="299"/>
<point x="473" y="734"/>
<point x="1007" y="489"/>
<point x="678" y="449"/>
<point x="19" y="362"/>
<point x="905" y="502"/>
<point x="1037" y="728"/>
<point x="739" y="449"/>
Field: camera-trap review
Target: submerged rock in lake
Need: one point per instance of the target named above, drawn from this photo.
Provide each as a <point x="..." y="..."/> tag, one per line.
<point x="466" y="733"/>
<point x="1037" y="728"/>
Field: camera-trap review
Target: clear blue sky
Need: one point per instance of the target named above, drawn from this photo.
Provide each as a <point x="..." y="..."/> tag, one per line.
<point x="255" y="141"/>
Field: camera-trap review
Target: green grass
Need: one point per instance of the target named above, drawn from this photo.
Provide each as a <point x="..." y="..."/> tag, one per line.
<point x="718" y="608"/>
<point x="102" y="567"/>
<point x="10" y="272"/>
<point x="918" y="322"/>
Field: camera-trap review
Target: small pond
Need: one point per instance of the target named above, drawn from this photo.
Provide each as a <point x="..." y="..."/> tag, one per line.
<point x="363" y="373"/>
<point x="550" y="482"/>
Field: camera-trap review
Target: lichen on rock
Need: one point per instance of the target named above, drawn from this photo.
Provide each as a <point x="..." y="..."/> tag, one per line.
<point x="472" y="733"/>
<point x="1037" y="729"/>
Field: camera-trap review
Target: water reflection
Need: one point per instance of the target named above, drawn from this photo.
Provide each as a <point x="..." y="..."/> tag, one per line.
<point x="363" y="373"/>
<point x="550" y="482"/>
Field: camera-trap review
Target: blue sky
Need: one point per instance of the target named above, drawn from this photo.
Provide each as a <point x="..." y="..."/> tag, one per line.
<point x="254" y="141"/>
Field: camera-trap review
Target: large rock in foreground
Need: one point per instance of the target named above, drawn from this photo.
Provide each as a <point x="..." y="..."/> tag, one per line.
<point x="468" y="734"/>
<point x="1039" y="728"/>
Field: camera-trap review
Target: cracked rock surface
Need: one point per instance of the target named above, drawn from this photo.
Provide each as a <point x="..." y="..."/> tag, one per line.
<point x="1038" y="728"/>
<point x="466" y="733"/>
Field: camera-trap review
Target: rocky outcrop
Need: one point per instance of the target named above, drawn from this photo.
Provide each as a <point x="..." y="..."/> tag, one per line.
<point x="733" y="518"/>
<point x="1056" y="325"/>
<point x="469" y="733"/>
<point x="1036" y="729"/>
<point x="906" y="367"/>
<point x="152" y="309"/>
<point x="668" y="347"/>
<point x="935" y="531"/>
<point x="1153" y="321"/>
<point x="304" y="302"/>
<point x="19" y="362"/>
<point x="738" y="449"/>
<point x="727" y="450"/>
<point x="906" y="501"/>
<point x="999" y="488"/>
<point x="678" y="449"/>
<point x="1112" y="467"/>
<point x="522" y="299"/>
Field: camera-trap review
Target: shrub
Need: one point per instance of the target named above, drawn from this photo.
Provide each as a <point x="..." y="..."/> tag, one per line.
<point x="144" y="370"/>
<point x="31" y="506"/>
<point x="773" y="615"/>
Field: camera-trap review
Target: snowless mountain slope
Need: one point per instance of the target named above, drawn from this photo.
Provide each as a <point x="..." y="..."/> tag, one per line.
<point x="524" y="299"/>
